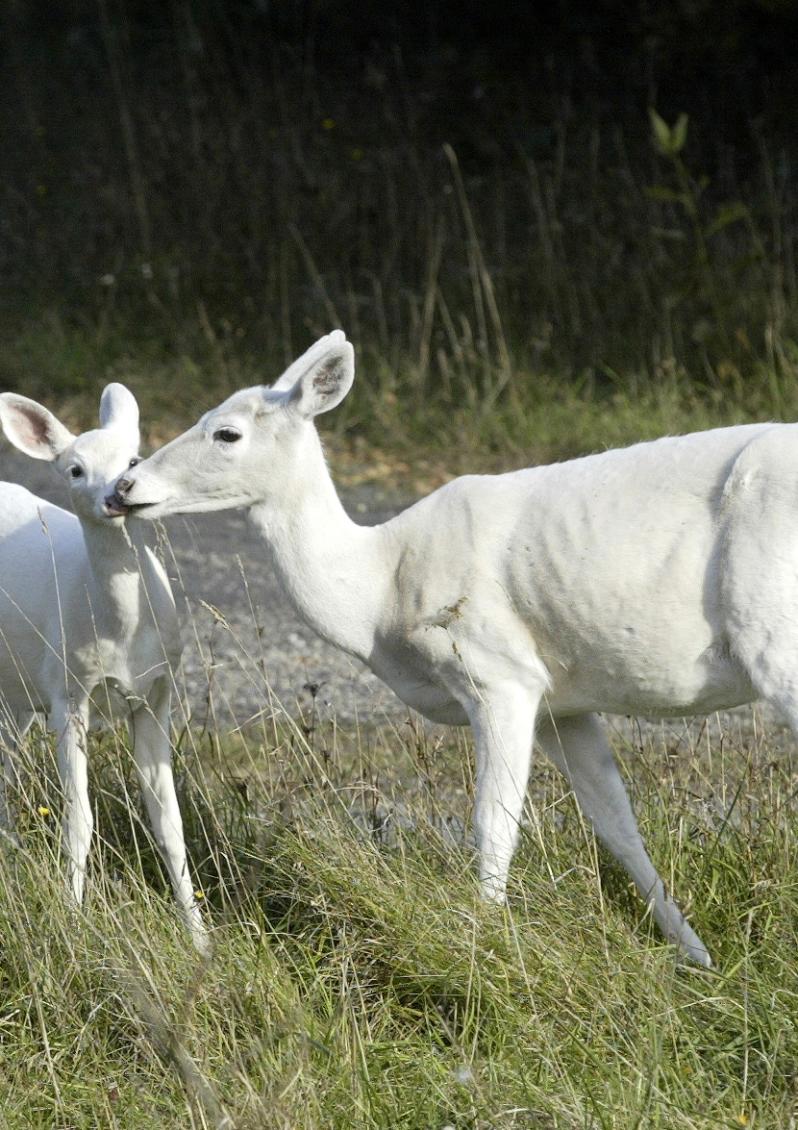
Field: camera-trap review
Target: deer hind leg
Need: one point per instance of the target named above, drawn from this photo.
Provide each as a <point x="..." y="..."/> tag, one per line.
<point x="579" y="748"/>
<point x="758" y="572"/>
<point x="766" y="648"/>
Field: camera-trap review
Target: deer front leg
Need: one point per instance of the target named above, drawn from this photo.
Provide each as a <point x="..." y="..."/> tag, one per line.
<point x="152" y="753"/>
<point x="503" y="722"/>
<point x="69" y="720"/>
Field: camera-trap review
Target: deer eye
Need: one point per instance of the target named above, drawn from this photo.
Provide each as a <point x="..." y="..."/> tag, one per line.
<point x="227" y="435"/>
<point x="136" y="459"/>
<point x="75" y="471"/>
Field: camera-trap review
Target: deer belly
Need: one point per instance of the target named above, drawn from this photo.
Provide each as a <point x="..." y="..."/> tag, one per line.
<point x="654" y="683"/>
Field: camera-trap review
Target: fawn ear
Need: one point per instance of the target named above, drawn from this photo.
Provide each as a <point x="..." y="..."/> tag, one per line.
<point x="31" y="428"/>
<point x="118" y="409"/>
<point x="320" y="379"/>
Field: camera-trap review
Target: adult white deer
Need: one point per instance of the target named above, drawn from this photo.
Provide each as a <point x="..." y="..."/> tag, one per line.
<point x="659" y="579"/>
<point x="87" y="625"/>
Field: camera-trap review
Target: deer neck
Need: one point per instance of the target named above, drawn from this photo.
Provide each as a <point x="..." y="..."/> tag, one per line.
<point x="128" y="585"/>
<point x="333" y="570"/>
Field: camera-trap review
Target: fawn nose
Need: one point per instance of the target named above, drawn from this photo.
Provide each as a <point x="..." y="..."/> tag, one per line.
<point x="122" y="487"/>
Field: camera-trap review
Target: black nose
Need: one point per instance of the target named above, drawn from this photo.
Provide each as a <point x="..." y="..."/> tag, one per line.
<point x="122" y="487"/>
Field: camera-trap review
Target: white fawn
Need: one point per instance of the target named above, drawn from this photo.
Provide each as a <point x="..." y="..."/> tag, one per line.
<point x="660" y="579"/>
<point x="87" y="625"/>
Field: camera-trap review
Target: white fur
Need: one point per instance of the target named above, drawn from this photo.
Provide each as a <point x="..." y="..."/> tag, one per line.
<point x="87" y="624"/>
<point x="659" y="579"/>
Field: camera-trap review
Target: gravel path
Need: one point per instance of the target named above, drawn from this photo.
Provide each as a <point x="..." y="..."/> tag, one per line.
<point x="241" y="623"/>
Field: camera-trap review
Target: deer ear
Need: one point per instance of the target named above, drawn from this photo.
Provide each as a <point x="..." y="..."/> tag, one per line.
<point x="118" y="408"/>
<point x="325" y="382"/>
<point x="31" y="428"/>
<point x="309" y="358"/>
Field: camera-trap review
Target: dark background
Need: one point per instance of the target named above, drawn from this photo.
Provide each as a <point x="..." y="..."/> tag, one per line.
<point x="211" y="184"/>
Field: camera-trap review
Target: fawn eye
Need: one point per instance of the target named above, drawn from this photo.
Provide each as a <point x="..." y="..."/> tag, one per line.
<point x="227" y="435"/>
<point x="136" y="459"/>
<point x="75" y="471"/>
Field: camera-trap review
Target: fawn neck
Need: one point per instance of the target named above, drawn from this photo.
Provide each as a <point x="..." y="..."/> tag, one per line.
<point x="129" y="585"/>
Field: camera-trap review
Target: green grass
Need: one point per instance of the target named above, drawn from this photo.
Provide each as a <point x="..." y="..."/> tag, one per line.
<point x="356" y="979"/>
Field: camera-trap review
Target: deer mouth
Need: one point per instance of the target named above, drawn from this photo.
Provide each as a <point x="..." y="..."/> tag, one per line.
<point x="116" y="507"/>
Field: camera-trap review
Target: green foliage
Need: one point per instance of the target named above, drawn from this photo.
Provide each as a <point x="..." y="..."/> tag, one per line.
<point x="693" y="222"/>
<point x="670" y="140"/>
